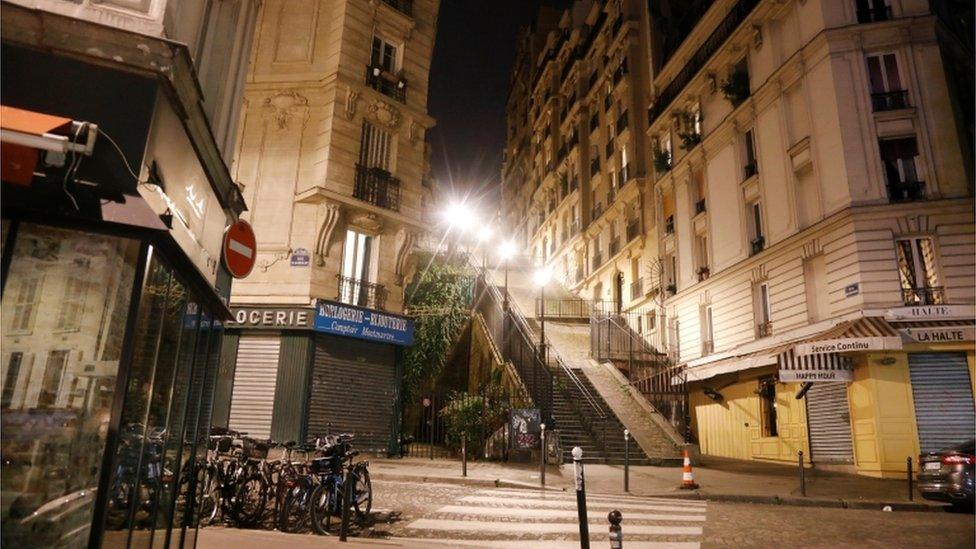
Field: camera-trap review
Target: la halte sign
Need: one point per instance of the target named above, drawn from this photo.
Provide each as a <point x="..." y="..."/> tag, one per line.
<point x="347" y="320"/>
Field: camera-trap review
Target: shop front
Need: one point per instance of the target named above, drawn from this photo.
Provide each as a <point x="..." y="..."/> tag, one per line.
<point x="112" y="307"/>
<point x="292" y="373"/>
<point x="862" y="396"/>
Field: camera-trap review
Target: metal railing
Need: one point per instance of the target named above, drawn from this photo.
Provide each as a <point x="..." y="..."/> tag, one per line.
<point x="889" y="101"/>
<point x="378" y="187"/>
<point x="565" y="308"/>
<point x="750" y="170"/>
<point x="700" y="206"/>
<point x="386" y="84"/>
<point x="403" y="6"/>
<point x="757" y="245"/>
<point x="875" y="14"/>
<point x="597" y="261"/>
<point x="633" y="230"/>
<point x="614" y="246"/>
<point x="906" y="191"/>
<point x="933" y="295"/>
<point x="362" y="293"/>
<point x="637" y="289"/>
<point x="669" y="225"/>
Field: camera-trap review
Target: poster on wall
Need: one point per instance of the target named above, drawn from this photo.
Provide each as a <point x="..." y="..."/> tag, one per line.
<point x="526" y="428"/>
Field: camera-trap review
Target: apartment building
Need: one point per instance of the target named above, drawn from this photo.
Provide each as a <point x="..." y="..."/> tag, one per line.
<point x="573" y="182"/>
<point x="801" y="206"/>
<point x="332" y="159"/>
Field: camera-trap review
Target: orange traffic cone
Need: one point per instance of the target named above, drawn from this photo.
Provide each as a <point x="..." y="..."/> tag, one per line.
<point x="687" y="477"/>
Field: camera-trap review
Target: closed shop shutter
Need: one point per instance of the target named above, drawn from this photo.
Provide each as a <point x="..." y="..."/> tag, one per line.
<point x="353" y="391"/>
<point x="830" y="423"/>
<point x="943" y="399"/>
<point x="252" y="403"/>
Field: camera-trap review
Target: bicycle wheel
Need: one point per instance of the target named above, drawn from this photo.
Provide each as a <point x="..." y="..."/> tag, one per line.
<point x="323" y="506"/>
<point x="295" y="507"/>
<point x="363" y="498"/>
<point x="211" y="501"/>
<point x="249" y="501"/>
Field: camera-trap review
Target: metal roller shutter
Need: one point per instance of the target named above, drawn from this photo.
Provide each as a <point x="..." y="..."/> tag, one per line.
<point x="353" y="391"/>
<point x="943" y="399"/>
<point x="830" y="423"/>
<point x="252" y="404"/>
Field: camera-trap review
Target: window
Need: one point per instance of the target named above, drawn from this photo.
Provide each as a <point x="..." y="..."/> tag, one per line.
<point x="51" y="382"/>
<point x="696" y="120"/>
<point x="25" y="304"/>
<point x="698" y="188"/>
<point x="901" y="175"/>
<point x="701" y="256"/>
<point x="750" y="168"/>
<point x="708" y="345"/>
<point x="918" y="272"/>
<point x="767" y="406"/>
<point x="384" y="55"/>
<point x="887" y="90"/>
<point x="815" y="285"/>
<point x="757" y="239"/>
<point x="869" y="11"/>
<point x="357" y="256"/>
<point x="10" y="379"/>
<point x="376" y="148"/>
<point x="72" y="304"/>
<point x="670" y="266"/>
<point x="762" y="309"/>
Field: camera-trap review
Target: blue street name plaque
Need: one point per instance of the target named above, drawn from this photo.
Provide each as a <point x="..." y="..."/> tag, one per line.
<point x="347" y="320"/>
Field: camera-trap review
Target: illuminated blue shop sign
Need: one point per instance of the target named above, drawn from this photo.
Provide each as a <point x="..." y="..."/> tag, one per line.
<point x="346" y="320"/>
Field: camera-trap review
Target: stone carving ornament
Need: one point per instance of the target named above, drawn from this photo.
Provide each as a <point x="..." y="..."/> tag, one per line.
<point x="384" y="113"/>
<point x="285" y="105"/>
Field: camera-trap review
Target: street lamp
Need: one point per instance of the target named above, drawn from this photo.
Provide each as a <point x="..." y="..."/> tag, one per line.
<point x="506" y="251"/>
<point x="541" y="278"/>
<point x="484" y="235"/>
<point x="459" y="215"/>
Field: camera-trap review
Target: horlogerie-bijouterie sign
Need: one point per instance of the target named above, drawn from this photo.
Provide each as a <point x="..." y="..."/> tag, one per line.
<point x="848" y="345"/>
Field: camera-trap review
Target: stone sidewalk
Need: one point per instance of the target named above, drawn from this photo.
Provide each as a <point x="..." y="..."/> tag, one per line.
<point x="719" y="479"/>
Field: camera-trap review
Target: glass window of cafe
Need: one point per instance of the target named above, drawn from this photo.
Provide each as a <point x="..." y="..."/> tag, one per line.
<point x="66" y="306"/>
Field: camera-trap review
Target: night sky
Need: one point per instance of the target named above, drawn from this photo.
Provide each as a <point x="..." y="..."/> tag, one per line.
<point x="468" y="86"/>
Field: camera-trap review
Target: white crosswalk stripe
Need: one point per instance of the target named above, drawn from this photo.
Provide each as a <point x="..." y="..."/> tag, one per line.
<point x="536" y="519"/>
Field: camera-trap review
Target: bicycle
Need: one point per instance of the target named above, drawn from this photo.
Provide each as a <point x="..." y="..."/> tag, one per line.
<point x="327" y="498"/>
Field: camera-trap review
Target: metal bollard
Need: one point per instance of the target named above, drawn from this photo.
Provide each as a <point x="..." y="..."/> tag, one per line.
<point x="464" y="455"/>
<point x="346" y="504"/>
<point x="911" y="488"/>
<point x="584" y="528"/>
<point x="803" y="474"/>
<point x="626" y="460"/>
<point x="616" y="533"/>
<point x="542" y="459"/>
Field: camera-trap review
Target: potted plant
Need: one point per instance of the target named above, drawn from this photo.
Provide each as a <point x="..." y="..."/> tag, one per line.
<point x="735" y="88"/>
<point x="662" y="160"/>
<point x="671" y="288"/>
<point x="702" y="273"/>
<point x="689" y="134"/>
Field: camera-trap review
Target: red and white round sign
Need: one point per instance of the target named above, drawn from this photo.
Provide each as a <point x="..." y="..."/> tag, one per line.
<point x="240" y="249"/>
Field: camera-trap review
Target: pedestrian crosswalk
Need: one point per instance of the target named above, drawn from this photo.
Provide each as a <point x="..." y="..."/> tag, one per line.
<point x="531" y="519"/>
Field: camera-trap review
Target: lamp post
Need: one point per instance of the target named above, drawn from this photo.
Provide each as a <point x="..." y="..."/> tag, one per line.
<point x="542" y="277"/>
<point x="506" y="251"/>
<point x="484" y="235"/>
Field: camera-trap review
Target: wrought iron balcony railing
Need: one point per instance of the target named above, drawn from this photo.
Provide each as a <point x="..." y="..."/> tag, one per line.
<point x="637" y="289"/>
<point x="700" y="206"/>
<point x="906" y="191"/>
<point x="669" y="225"/>
<point x="750" y="170"/>
<point x="633" y="230"/>
<point x="875" y="14"/>
<point x="757" y="244"/>
<point x="378" y="187"/>
<point x="614" y="246"/>
<point x="403" y="6"/>
<point x="889" y="101"/>
<point x="361" y="293"/>
<point x="386" y="83"/>
<point x="597" y="261"/>
<point x="934" y="295"/>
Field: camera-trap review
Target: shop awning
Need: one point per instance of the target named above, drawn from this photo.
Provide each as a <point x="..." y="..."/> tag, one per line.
<point x="24" y="133"/>
<point x="817" y="352"/>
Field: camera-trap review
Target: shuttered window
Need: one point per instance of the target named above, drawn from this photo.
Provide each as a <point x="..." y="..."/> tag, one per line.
<point x="376" y="148"/>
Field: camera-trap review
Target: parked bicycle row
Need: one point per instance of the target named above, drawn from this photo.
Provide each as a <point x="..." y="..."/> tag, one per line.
<point x="292" y="487"/>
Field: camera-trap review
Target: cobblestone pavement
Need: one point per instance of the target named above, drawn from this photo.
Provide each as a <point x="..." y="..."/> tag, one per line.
<point x="428" y="515"/>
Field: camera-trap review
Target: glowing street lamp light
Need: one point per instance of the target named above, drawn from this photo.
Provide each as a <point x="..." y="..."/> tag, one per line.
<point x="458" y="215"/>
<point x="484" y="234"/>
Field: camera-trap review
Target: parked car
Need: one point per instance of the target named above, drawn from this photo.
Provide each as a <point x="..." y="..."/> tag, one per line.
<point x="948" y="475"/>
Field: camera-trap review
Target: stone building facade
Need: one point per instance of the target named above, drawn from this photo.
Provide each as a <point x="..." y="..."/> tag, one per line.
<point x="333" y="161"/>
<point x="806" y="216"/>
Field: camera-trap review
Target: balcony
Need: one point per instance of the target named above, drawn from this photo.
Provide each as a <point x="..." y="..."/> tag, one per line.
<point x="889" y="101"/>
<point x="403" y="6"/>
<point x="386" y="83"/>
<point x="764" y="329"/>
<point x="906" y="191"/>
<point x="923" y="296"/>
<point x="597" y="261"/>
<point x="637" y="289"/>
<point x="362" y="293"/>
<point x="757" y="244"/>
<point x="875" y="14"/>
<point x="597" y="211"/>
<point x="700" y="206"/>
<point x="614" y="246"/>
<point x="378" y="187"/>
<point x="708" y="347"/>
<point x="750" y="170"/>
<point x="669" y="225"/>
<point x="633" y="230"/>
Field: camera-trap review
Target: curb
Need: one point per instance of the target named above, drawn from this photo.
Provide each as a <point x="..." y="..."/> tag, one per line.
<point x="464" y="481"/>
<point x="806" y="502"/>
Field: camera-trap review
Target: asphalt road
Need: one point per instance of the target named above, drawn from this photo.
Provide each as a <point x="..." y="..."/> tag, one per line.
<point x="428" y="515"/>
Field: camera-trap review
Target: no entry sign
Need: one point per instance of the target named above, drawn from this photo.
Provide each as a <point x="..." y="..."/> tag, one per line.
<point x="240" y="249"/>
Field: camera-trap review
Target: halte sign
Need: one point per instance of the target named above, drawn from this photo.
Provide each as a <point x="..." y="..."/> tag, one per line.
<point x="350" y="321"/>
<point x="943" y="334"/>
<point x="848" y="345"/>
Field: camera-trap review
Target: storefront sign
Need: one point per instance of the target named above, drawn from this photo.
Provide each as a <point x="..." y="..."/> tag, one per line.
<point x="276" y="318"/>
<point x="930" y="312"/>
<point x="816" y="375"/>
<point x="346" y="320"/>
<point x="848" y="345"/>
<point x="946" y="334"/>
<point x="300" y="258"/>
